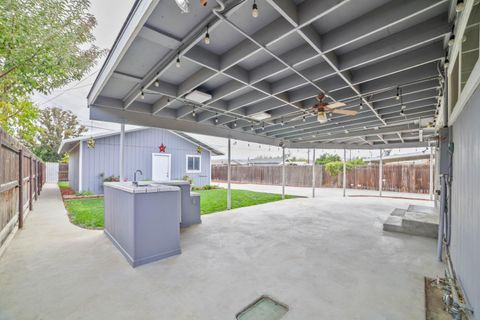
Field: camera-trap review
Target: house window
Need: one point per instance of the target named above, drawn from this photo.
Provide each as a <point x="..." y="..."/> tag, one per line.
<point x="193" y="164"/>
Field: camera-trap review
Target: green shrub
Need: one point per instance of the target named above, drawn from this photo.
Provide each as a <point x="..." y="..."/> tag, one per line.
<point x="206" y="187"/>
<point x="84" y="193"/>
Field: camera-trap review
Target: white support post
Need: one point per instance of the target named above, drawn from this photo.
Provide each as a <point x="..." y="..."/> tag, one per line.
<point x="80" y="166"/>
<point x="380" y="174"/>
<point x="122" y="152"/>
<point x="283" y="172"/>
<point x="313" y="174"/>
<point x="431" y="174"/>
<point x="229" y="175"/>
<point x="344" y="171"/>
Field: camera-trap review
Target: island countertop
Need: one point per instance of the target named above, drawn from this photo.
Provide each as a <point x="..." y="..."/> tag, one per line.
<point x="129" y="187"/>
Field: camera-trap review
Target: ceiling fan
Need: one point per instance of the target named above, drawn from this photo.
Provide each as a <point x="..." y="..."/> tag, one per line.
<point x="322" y="107"/>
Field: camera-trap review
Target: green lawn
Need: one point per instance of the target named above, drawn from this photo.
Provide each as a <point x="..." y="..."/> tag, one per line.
<point x="216" y="200"/>
<point x="88" y="212"/>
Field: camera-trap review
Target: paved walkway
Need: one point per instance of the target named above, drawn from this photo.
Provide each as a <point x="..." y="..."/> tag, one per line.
<point x="325" y="259"/>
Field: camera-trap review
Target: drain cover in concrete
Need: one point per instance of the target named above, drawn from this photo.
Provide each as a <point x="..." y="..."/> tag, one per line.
<point x="265" y="308"/>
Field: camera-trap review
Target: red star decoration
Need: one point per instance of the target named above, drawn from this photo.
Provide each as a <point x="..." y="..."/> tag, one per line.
<point x="162" y="148"/>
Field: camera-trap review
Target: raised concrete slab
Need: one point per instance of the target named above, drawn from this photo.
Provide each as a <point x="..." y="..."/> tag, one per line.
<point x="398" y="212"/>
<point x="324" y="258"/>
<point x="421" y="209"/>
<point x="417" y="220"/>
<point x="393" y="223"/>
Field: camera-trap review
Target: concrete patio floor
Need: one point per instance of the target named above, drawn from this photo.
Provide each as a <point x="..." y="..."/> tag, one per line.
<point x="325" y="258"/>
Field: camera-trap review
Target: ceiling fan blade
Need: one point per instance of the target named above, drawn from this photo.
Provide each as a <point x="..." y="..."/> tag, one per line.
<point x="345" y="112"/>
<point x="336" y="105"/>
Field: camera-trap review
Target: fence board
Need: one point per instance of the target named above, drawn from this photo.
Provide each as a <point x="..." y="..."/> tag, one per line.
<point x="400" y="178"/>
<point x="11" y="206"/>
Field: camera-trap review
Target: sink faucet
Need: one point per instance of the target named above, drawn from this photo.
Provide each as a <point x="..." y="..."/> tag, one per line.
<point x="135" y="182"/>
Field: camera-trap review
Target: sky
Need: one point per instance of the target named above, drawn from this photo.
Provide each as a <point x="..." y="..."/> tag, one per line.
<point x="110" y="16"/>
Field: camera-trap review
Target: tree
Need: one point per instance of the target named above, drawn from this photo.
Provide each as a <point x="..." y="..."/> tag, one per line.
<point x="19" y="120"/>
<point x="55" y="125"/>
<point x="326" y="158"/>
<point x="44" y="44"/>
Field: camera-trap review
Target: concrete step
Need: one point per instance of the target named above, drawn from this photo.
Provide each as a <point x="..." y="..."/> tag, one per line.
<point x="421" y="224"/>
<point x="421" y="209"/>
<point x="398" y="212"/>
<point x="417" y="221"/>
<point x="393" y="224"/>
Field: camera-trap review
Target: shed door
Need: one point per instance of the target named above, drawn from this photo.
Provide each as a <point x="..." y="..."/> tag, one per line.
<point x="161" y="167"/>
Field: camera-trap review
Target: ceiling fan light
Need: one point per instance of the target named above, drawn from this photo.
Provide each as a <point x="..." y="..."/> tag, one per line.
<point x="184" y="5"/>
<point x="322" y="117"/>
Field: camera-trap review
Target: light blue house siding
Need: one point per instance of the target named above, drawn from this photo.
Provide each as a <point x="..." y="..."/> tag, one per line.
<point x="465" y="211"/>
<point x="103" y="160"/>
<point x="73" y="166"/>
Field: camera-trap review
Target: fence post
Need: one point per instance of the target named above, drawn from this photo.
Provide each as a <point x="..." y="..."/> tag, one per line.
<point x="313" y="174"/>
<point x="229" y="175"/>
<point x="35" y="183"/>
<point x="283" y="172"/>
<point x="40" y="177"/>
<point x="20" y="188"/>
<point x="30" y="182"/>
<point x="344" y="171"/>
<point x="380" y="174"/>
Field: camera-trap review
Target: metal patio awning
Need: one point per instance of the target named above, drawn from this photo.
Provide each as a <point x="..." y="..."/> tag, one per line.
<point x="364" y="53"/>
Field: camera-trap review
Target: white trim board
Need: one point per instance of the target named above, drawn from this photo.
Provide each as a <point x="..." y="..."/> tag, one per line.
<point x="472" y="84"/>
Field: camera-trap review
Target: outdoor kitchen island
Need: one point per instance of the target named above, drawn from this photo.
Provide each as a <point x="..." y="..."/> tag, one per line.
<point x="143" y="222"/>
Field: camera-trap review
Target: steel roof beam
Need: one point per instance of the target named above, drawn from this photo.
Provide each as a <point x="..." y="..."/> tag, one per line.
<point x="382" y="18"/>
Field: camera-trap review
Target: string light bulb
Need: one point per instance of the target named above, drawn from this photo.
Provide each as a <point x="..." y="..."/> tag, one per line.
<point x="361" y="104"/>
<point x="178" y="60"/>
<point x="207" y="37"/>
<point x="254" y="9"/>
<point x="235" y="124"/>
<point x="194" y="114"/>
<point x="216" y="119"/>
<point x="282" y="123"/>
<point x="397" y="97"/>
<point x="460" y="6"/>
<point x="142" y="95"/>
<point x="157" y="83"/>
<point x="451" y="41"/>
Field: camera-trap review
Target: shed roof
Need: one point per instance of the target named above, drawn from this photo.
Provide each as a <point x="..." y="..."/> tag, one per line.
<point x="69" y="144"/>
<point x="362" y="53"/>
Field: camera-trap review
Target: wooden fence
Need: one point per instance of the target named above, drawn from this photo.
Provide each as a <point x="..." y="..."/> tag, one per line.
<point x="22" y="176"/>
<point x="400" y="178"/>
<point x="63" y="172"/>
